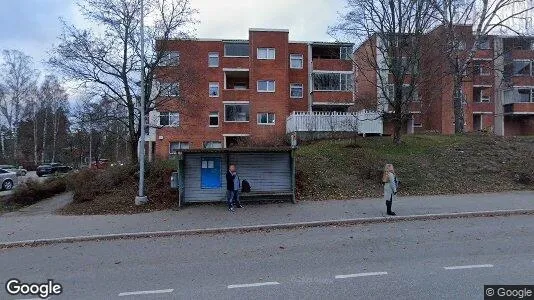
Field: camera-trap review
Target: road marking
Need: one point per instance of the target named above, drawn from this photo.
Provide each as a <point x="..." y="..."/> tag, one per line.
<point x="146" y="292"/>
<point x="467" y="267"/>
<point x="361" y="275"/>
<point x="235" y="286"/>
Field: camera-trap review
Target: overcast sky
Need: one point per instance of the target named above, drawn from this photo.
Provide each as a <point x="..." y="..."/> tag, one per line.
<point x="33" y="25"/>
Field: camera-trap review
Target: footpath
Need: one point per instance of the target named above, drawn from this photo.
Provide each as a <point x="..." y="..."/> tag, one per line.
<point x="37" y="224"/>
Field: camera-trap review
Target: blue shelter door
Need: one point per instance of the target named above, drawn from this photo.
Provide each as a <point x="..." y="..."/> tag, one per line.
<point x="210" y="174"/>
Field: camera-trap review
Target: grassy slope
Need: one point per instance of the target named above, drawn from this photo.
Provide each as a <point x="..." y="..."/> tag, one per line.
<point x="425" y="164"/>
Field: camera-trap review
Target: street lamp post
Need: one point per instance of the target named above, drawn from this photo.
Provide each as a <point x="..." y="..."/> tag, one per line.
<point x="141" y="197"/>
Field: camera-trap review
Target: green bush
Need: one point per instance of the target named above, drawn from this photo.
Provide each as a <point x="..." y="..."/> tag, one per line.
<point x="33" y="191"/>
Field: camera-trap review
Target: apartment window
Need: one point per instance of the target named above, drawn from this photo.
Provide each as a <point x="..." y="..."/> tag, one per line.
<point x="481" y="94"/>
<point x="177" y="146"/>
<point x="236" y="49"/>
<point x="213" y="59"/>
<point x="296" y="90"/>
<point x="526" y="95"/>
<point x="212" y="145"/>
<point x="214" y="89"/>
<point x="296" y="61"/>
<point x="406" y="90"/>
<point x="522" y="68"/>
<point x="483" y="43"/>
<point x="344" y="53"/>
<point x="532" y="45"/>
<point x="266" y="86"/>
<point x="332" y="82"/>
<point x="170" y="89"/>
<point x="266" y="53"/>
<point x="169" y="119"/>
<point x="266" y="118"/>
<point x="481" y="68"/>
<point x="169" y="58"/>
<point x="214" y="119"/>
<point x="236" y="112"/>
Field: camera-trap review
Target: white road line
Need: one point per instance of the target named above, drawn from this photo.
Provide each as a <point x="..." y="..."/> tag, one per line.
<point x="235" y="286"/>
<point x="146" y="292"/>
<point x="361" y="275"/>
<point x="467" y="267"/>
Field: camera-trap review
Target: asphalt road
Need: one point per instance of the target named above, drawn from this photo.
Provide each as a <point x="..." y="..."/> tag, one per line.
<point x="445" y="259"/>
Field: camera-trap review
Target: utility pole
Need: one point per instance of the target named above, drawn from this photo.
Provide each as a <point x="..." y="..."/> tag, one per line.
<point x="141" y="197"/>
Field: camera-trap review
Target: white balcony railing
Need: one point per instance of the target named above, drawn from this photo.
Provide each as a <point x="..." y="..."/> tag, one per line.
<point x="363" y="122"/>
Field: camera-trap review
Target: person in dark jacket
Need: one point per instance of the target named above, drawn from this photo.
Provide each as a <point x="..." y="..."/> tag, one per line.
<point x="233" y="184"/>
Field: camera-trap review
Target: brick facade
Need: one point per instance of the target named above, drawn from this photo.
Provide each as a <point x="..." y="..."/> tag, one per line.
<point x="195" y="105"/>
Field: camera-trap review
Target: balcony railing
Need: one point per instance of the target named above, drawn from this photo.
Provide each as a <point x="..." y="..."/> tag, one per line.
<point x="363" y="122"/>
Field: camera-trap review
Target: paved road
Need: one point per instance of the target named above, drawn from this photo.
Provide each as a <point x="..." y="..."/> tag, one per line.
<point x="445" y="259"/>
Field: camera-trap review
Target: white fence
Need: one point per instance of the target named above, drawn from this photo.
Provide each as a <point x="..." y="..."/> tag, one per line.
<point x="363" y="122"/>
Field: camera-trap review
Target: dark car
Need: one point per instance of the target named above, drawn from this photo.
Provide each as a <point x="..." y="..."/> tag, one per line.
<point x="52" y="168"/>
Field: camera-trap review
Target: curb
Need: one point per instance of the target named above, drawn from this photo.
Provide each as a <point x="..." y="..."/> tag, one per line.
<point x="252" y="228"/>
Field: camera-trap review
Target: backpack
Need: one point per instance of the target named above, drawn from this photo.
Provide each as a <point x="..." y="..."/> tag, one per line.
<point x="245" y="187"/>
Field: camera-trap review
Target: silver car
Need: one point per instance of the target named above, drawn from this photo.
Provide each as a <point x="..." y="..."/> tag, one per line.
<point x="8" y="179"/>
<point x="10" y="168"/>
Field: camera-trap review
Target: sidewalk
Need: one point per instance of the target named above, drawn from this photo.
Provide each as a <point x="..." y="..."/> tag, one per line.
<point x="36" y="223"/>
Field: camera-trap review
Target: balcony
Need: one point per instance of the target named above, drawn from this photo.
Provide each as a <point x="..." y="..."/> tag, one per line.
<point x="331" y="64"/>
<point x="332" y="57"/>
<point x="519" y="101"/>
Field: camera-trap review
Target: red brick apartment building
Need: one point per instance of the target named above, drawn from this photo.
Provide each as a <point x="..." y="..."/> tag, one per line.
<point x="242" y="91"/>
<point x="499" y="86"/>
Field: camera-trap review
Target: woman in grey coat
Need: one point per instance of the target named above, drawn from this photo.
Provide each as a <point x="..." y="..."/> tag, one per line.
<point x="390" y="187"/>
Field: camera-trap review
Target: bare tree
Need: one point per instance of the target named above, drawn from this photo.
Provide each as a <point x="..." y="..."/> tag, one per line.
<point x="467" y="24"/>
<point x="108" y="60"/>
<point x="391" y="37"/>
<point x="19" y="78"/>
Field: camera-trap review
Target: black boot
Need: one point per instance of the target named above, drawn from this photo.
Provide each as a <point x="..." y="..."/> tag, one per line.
<point x="388" y="205"/>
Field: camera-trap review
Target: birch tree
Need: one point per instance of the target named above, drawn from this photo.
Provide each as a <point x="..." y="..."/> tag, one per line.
<point x="18" y="78"/>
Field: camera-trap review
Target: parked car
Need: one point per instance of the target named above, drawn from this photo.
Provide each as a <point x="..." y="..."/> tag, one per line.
<point x="102" y="163"/>
<point x="52" y="168"/>
<point x="8" y="179"/>
<point x="20" y="171"/>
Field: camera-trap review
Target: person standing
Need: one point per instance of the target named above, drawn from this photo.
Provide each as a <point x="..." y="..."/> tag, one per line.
<point x="233" y="185"/>
<point x="390" y="187"/>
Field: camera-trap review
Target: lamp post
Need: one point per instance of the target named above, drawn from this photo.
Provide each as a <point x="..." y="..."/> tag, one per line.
<point x="141" y="197"/>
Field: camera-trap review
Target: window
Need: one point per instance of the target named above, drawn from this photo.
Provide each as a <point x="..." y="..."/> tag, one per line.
<point x="213" y="59"/>
<point x="236" y="113"/>
<point x="266" y="53"/>
<point x="406" y="90"/>
<point x="214" y="89"/>
<point x="481" y="94"/>
<point x="296" y="61"/>
<point x="266" y="86"/>
<point x="532" y="45"/>
<point x="522" y="68"/>
<point x="170" y="58"/>
<point x="236" y="49"/>
<point x="266" y="118"/>
<point x="344" y="53"/>
<point x="212" y="145"/>
<point x="296" y="90"/>
<point x="332" y="82"/>
<point x="480" y="68"/>
<point x="214" y="119"/>
<point x="176" y="146"/>
<point x="483" y="43"/>
<point x="526" y="95"/>
<point x="170" y="89"/>
<point x="169" y="119"/>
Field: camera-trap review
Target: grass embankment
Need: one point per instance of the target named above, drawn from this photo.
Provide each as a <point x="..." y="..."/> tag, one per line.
<point x="112" y="191"/>
<point x="425" y="165"/>
<point x="33" y="191"/>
